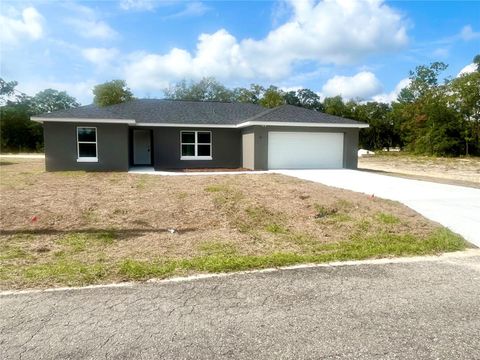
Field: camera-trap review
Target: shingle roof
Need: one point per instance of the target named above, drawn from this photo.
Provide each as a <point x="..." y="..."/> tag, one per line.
<point x="166" y="111"/>
<point x="156" y="111"/>
<point x="290" y="113"/>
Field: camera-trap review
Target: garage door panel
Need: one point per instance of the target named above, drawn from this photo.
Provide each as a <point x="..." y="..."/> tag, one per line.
<point x="305" y="150"/>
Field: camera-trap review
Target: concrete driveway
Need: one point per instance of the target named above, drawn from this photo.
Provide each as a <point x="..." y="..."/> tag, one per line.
<point x="418" y="308"/>
<point x="455" y="207"/>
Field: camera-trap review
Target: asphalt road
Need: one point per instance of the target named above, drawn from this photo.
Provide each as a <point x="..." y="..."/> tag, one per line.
<point x="412" y="310"/>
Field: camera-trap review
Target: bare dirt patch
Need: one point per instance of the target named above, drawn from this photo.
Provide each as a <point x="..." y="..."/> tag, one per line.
<point x="460" y="171"/>
<point x="71" y="228"/>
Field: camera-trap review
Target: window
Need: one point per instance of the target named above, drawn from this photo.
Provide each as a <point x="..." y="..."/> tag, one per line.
<point x="87" y="144"/>
<point x="196" y="145"/>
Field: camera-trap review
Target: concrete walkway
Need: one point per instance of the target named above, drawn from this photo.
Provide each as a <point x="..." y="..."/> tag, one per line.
<point x="455" y="207"/>
<point x="149" y="170"/>
<point x="415" y="309"/>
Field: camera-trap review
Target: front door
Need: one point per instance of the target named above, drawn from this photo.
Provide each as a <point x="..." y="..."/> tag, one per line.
<point x="142" y="147"/>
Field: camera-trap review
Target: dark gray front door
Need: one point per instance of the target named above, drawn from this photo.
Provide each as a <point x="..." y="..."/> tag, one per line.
<point x="142" y="147"/>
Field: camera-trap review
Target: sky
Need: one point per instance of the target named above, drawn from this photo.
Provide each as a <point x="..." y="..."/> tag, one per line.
<point x="357" y="49"/>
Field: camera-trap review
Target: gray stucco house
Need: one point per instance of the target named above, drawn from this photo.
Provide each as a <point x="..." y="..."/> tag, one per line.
<point x="171" y="134"/>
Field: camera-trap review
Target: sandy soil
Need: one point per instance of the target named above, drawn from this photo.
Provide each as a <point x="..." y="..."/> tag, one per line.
<point x="49" y="215"/>
<point x="200" y="207"/>
<point x="461" y="171"/>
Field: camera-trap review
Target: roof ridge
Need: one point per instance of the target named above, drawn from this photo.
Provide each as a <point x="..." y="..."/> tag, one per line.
<point x="200" y="101"/>
<point x="263" y="113"/>
<point x="323" y="113"/>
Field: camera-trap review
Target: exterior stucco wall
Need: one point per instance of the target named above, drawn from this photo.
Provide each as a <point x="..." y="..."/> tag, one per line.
<point x="226" y="149"/>
<point x="350" y="148"/>
<point x="61" y="147"/>
<point x="231" y="148"/>
<point x="350" y="143"/>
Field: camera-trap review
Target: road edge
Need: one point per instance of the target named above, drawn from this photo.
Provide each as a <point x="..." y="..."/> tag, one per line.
<point x="382" y="261"/>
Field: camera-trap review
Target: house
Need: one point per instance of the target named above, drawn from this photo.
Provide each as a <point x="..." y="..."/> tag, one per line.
<point x="172" y="134"/>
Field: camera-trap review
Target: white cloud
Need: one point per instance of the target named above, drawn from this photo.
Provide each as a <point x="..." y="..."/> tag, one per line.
<point x="29" y="26"/>
<point x="363" y="85"/>
<point x="82" y="90"/>
<point x="393" y="95"/>
<point x="328" y="32"/>
<point x="154" y="72"/>
<point x="191" y="8"/>
<point x="95" y="29"/>
<point x="137" y="5"/>
<point x="468" y="34"/>
<point x="290" y="88"/>
<point x="441" y="52"/>
<point x="100" y="56"/>
<point x="465" y="34"/>
<point x="195" y="8"/>
<point x="470" y="68"/>
<point x="87" y="24"/>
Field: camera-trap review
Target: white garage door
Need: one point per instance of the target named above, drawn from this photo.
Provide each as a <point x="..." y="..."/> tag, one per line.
<point x="305" y="150"/>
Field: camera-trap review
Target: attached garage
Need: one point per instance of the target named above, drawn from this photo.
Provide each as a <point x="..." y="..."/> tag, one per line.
<point x="305" y="150"/>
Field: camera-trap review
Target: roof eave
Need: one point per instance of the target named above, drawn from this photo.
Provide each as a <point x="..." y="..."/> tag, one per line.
<point x="132" y="122"/>
<point x="301" y="124"/>
<point x="83" y="120"/>
<point x="223" y="126"/>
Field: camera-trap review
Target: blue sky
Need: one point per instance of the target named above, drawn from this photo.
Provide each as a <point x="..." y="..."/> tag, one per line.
<point x="358" y="49"/>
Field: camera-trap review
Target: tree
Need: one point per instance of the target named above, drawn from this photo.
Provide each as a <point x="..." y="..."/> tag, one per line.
<point x="17" y="131"/>
<point x="251" y="95"/>
<point x="423" y="79"/>
<point x="476" y="61"/>
<point x="272" y="97"/>
<point x="112" y="92"/>
<point x="309" y="99"/>
<point x="51" y="100"/>
<point x="429" y="122"/>
<point x="464" y="96"/>
<point x="335" y="106"/>
<point x="305" y="98"/>
<point x="382" y="132"/>
<point x="291" y="98"/>
<point x="7" y="89"/>
<point x="431" y="125"/>
<point x="207" y="89"/>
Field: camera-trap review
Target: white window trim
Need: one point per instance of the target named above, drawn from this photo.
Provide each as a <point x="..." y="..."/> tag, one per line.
<point x="196" y="143"/>
<point x="84" y="158"/>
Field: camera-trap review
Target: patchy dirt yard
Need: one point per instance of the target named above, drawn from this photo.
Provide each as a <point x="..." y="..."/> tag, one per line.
<point x="76" y="228"/>
<point x="461" y="171"/>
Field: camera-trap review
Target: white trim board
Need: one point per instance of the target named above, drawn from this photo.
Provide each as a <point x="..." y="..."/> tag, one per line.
<point x="82" y="120"/>
<point x="132" y="122"/>
<point x="256" y="123"/>
<point x="300" y="124"/>
<point x="225" y="126"/>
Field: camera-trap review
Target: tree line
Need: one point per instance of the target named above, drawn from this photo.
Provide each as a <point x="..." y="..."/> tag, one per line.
<point x="430" y="116"/>
<point x="19" y="134"/>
